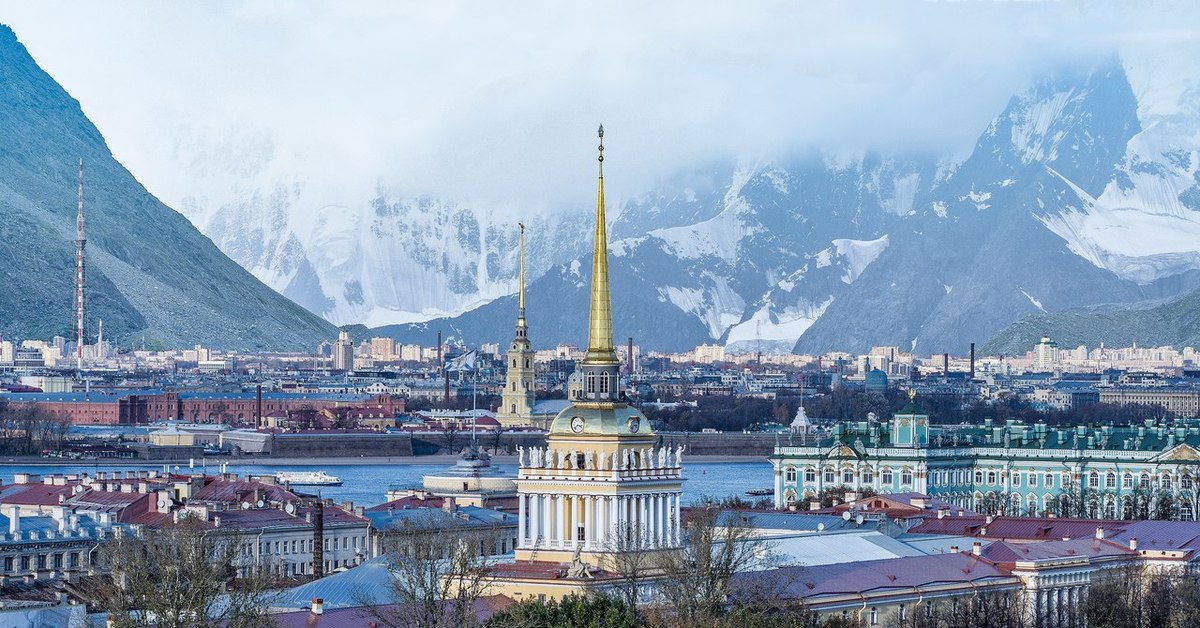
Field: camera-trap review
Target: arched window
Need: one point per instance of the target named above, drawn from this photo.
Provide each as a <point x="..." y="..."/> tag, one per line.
<point x="1110" y="480"/>
<point x="604" y="382"/>
<point x="591" y="382"/>
<point x="810" y="475"/>
<point x="847" y="476"/>
<point x="906" y="477"/>
<point x="979" y="477"/>
<point x="1166" y="481"/>
<point x="514" y="363"/>
<point x="886" y="478"/>
<point x="1144" y="481"/>
<point x="867" y="476"/>
<point x="991" y="477"/>
<point x="1093" y="480"/>
<point x="1127" y="480"/>
<point x="1015" y="477"/>
<point x="526" y="362"/>
<point x="829" y="475"/>
<point x="1049" y="480"/>
<point x="789" y="475"/>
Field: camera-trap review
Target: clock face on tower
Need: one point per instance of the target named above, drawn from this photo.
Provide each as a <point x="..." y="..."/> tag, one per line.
<point x="577" y="424"/>
<point x="634" y="424"/>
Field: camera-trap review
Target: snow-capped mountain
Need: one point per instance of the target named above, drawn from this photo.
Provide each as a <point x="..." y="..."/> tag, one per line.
<point x="1085" y="189"/>
<point x="361" y="254"/>
<point x="1078" y="193"/>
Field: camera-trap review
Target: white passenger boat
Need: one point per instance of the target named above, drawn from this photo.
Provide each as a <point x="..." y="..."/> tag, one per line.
<point x="308" y="478"/>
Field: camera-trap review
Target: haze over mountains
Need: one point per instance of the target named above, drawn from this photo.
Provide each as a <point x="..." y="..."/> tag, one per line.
<point x="152" y="276"/>
<point x="1083" y="192"/>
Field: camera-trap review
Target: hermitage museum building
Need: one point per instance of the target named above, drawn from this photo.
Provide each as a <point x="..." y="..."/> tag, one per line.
<point x="1140" y="470"/>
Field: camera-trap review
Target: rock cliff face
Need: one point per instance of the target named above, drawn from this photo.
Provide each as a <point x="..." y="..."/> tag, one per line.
<point x="1077" y="194"/>
<point x="150" y="274"/>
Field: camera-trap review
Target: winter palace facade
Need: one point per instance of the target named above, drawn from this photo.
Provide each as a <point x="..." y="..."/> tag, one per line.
<point x="1141" y="470"/>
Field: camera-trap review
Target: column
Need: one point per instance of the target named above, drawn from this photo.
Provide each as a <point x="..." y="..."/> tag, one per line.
<point x="547" y="519"/>
<point x="614" y="519"/>
<point x="522" y="521"/>
<point x="535" y="522"/>
<point x="658" y="519"/>
<point x="562" y="521"/>
<point x="678" y="520"/>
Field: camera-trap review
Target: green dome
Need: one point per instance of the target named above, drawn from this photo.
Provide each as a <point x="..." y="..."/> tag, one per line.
<point x="609" y="420"/>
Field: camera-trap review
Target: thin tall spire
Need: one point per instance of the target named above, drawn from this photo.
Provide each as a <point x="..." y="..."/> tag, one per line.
<point x="79" y="288"/>
<point x="521" y="288"/>
<point x="600" y="330"/>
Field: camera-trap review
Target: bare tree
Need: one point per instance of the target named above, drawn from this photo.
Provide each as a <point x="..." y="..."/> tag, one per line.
<point x="698" y="579"/>
<point x="450" y="430"/>
<point x="438" y="570"/>
<point x="633" y="562"/>
<point x="180" y="575"/>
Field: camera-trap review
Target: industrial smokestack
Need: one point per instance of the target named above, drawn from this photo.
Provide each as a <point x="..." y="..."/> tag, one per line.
<point x="972" y="360"/>
<point x="439" y="347"/>
<point x="629" y="357"/>
<point x="258" y="406"/>
<point x="319" y="539"/>
<point x="946" y="365"/>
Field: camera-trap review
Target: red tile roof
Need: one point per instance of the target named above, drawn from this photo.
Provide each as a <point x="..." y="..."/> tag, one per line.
<point x="34" y="494"/>
<point x="233" y="491"/>
<point x="1005" y="553"/>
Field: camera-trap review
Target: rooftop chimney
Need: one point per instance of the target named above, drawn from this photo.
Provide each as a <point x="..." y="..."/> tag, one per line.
<point x="1133" y="543"/>
<point x="14" y="519"/>
<point x="1099" y="533"/>
<point x="318" y="606"/>
<point x="953" y="549"/>
<point x="977" y="548"/>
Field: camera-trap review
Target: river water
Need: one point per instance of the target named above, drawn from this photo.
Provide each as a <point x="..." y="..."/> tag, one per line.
<point x="366" y="484"/>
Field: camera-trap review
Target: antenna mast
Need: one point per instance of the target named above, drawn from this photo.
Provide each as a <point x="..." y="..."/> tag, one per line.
<point x="79" y="288"/>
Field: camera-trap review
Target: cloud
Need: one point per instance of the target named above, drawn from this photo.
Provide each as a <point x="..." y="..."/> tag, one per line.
<point x="499" y="101"/>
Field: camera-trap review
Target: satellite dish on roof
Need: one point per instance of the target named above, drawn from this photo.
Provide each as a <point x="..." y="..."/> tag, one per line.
<point x="162" y="504"/>
<point x="261" y="503"/>
<point x="859" y="520"/>
<point x="290" y="508"/>
<point x="245" y="505"/>
<point x="846" y="516"/>
<point x="820" y="527"/>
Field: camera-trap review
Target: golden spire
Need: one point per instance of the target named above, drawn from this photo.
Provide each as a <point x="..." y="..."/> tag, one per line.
<point x="521" y="290"/>
<point x="600" y="331"/>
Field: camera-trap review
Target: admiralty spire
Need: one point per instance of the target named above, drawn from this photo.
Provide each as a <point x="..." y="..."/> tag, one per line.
<point x="603" y="484"/>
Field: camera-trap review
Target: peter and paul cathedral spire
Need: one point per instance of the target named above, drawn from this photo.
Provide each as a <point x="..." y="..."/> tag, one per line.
<point x="522" y="331"/>
<point x="517" y="400"/>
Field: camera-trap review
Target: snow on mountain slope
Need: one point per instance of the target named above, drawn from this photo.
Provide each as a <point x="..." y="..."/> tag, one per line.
<point x="359" y="253"/>
<point x="1145" y="225"/>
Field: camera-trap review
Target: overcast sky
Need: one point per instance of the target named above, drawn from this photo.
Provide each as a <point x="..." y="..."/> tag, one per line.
<point x="500" y="100"/>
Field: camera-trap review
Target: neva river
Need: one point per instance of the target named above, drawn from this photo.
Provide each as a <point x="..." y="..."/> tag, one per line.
<point x="366" y="484"/>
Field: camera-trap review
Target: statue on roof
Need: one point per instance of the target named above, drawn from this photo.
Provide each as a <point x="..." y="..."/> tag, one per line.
<point x="579" y="569"/>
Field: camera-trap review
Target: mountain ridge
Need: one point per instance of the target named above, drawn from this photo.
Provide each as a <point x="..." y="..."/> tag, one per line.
<point x="150" y="273"/>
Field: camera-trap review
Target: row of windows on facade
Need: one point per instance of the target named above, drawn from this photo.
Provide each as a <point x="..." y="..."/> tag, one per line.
<point x="303" y="545"/>
<point x="1144" y="481"/>
<point x="830" y="476"/>
<point x="27" y="562"/>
